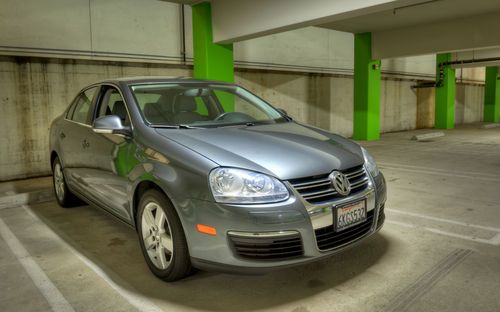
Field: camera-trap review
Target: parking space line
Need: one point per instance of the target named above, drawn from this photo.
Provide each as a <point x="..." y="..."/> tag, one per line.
<point x="401" y="223"/>
<point x="53" y="296"/>
<point x="490" y="241"/>
<point x="432" y="171"/>
<point x="127" y="291"/>
<point x="482" y="227"/>
<point x="495" y="240"/>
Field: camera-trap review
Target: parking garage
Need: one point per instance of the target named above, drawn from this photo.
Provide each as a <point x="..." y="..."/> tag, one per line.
<point x="415" y="83"/>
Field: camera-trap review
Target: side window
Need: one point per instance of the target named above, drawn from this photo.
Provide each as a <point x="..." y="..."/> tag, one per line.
<point x="83" y="105"/>
<point x="71" y="108"/>
<point x="112" y="104"/>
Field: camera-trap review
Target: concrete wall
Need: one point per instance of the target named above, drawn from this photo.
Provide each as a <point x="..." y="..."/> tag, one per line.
<point x="111" y="29"/>
<point x="121" y="30"/>
<point x="469" y="103"/>
<point x="33" y="93"/>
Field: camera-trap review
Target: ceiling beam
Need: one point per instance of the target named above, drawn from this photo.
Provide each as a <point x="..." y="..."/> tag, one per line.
<point x="467" y="33"/>
<point x="236" y="20"/>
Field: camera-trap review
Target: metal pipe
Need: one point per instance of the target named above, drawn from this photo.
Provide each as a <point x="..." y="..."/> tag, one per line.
<point x="394" y="11"/>
<point x="439" y="82"/>
<point x="472" y="61"/>
<point x="183" y="33"/>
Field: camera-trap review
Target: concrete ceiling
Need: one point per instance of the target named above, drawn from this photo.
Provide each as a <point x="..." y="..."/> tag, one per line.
<point x="414" y="15"/>
<point x="399" y="27"/>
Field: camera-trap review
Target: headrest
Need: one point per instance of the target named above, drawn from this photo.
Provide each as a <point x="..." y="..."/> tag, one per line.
<point x="184" y="104"/>
<point x="153" y="113"/>
<point x="120" y="110"/>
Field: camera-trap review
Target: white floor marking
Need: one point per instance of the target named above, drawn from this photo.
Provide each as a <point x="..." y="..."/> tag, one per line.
<point x="470" y="238"/>
<point x="495" y="240"/>
<point x="488" y="228"/>
<point x="472" y="173"/>
<point x="432" y="171"/>
<point x="401" y="223"/>
<point x="140" y="302"/>
<point x="53" y="296"/>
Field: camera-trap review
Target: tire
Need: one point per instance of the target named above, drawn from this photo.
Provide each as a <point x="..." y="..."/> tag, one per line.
<point x="65" y="198"/>
<point x="162" y="238"/>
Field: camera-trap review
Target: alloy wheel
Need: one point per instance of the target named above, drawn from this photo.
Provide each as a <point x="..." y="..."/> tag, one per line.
<point x="157" y="236"/>
<point x="59" y="181"/>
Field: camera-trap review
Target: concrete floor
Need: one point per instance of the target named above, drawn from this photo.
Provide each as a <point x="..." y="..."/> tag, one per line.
<point x="439" y="249"/>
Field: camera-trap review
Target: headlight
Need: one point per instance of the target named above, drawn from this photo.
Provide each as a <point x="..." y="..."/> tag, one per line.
<point x="239" y="186"/>
<point x="370" y="164"/>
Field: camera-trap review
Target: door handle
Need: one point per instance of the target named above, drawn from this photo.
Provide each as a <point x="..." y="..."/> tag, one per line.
<point x="62" y="135"/>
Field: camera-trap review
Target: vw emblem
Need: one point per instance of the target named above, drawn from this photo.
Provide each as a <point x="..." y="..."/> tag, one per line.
<point x="340" y="183"/>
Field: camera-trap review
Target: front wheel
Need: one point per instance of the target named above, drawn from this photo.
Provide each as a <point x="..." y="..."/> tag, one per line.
<point x="162" y="238"/>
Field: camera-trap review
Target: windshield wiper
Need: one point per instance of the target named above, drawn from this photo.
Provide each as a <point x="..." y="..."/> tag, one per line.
<point x="181" y="126"/>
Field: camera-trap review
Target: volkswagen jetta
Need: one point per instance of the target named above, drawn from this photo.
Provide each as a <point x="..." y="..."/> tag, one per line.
<point x="213" y="177"/>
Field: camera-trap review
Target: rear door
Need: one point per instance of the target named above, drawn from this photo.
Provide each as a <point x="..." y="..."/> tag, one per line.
<point x="73" y="138"/>
<point x="108" y="156"/>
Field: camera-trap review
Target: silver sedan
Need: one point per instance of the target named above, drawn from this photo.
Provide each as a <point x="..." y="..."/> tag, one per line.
<point x="212" y="176"/>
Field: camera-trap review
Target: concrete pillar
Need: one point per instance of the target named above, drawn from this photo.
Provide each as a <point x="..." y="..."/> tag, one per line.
<point x="366" y="90"/>
<point x="492" y="95"/>
<point x="211" y="61"/>
<point x="445" y="93"/>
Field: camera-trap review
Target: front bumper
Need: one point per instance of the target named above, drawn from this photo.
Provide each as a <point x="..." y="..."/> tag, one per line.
<point x="292" y="216"/>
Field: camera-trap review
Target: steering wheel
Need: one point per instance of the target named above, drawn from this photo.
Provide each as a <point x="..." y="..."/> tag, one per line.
<point x="222" y="116"/>
<point x="234" y="116"/>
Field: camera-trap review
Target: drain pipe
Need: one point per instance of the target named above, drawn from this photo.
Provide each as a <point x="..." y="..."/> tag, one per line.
<point x="183" y="33"/>
<point x="439" y="82"/>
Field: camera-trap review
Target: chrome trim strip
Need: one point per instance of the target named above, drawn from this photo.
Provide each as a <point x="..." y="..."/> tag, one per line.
<point x="311" y="183"/>
<point x="355" y="174"/>
<point x="319" y="193"/>
<point x="332" y="192"/>
<point x="360" y="182"/>
<point x="349" y="175"/>
<point x="78" y="123"/>
<point x="262" y="234"/>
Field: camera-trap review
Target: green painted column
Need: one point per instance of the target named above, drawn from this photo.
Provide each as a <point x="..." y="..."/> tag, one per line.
<point x="211" y="61"/>
<point x="445" y="94"/>
<point x="492" y="95"/>
<point x="366" y="90"/>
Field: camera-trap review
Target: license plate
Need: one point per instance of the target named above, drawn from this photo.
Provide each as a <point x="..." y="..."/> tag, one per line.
<point x="349" y="215"/>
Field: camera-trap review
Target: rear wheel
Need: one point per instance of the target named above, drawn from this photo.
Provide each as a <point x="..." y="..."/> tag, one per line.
<point x="64" y="196"/>
<point x="162" y="238"/>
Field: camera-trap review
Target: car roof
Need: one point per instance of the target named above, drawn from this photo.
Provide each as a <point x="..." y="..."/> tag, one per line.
<point x="156" y="79"/>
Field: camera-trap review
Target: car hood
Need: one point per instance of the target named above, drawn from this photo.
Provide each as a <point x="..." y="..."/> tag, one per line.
<point x="284" y="150"/>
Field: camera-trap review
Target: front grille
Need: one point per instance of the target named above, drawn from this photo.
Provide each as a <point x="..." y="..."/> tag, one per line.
<point x="327" y="238"/>
<point x="319" y="189"/>
<point x="267" y="248"/>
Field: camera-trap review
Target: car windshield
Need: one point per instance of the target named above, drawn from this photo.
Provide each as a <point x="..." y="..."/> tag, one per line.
<point x="203" y="105"/>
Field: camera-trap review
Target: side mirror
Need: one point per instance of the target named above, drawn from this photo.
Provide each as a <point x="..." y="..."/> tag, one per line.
<point x="111" y="124"/>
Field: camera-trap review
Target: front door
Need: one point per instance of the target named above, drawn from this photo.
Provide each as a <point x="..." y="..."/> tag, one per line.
<point x="108" y="156"/>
